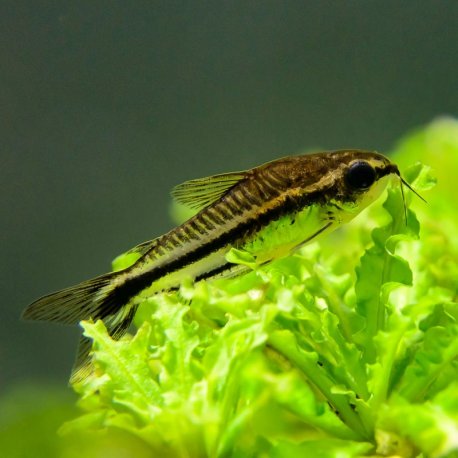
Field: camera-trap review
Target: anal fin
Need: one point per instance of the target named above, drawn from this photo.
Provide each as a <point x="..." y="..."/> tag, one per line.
<point x="117" y="326"/>
<point x="82" y="367"/>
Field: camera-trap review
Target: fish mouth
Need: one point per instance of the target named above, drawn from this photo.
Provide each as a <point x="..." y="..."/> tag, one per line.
<point x="388" y="170"/>
<point x="393" y="169"/>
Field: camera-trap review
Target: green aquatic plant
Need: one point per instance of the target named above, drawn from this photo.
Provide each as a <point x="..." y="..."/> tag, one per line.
<point x="346" y="349"/>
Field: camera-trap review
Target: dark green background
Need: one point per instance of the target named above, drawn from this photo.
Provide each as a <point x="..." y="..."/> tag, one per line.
<point x="105" y="105"/>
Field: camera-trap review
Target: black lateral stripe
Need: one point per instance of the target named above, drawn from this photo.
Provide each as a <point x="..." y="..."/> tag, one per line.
<point x="217" y="271"/>
<point x="133" y="286"/>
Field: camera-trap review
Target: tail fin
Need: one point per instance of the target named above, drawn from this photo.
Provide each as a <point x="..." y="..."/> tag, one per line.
<point x="93" y="299"/>
<point x="71" y="305"/>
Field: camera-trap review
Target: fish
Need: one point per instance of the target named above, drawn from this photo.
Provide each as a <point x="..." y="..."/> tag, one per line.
<point x="268" y="211"/>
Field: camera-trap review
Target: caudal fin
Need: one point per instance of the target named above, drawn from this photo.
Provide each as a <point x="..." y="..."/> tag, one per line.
<point x="94" y="299"/>
<point x="73" y="304"/>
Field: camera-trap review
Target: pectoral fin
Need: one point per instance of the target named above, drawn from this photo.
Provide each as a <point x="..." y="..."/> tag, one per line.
<point x="314" y="235"/>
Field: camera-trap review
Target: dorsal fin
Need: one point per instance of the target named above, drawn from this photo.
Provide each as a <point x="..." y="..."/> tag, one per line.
<point x="199" y="193"/>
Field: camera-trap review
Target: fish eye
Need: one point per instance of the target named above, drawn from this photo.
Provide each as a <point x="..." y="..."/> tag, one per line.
<point x="360" y="175"/>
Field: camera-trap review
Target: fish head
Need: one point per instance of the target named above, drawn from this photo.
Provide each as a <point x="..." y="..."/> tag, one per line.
<point x="348" y="179"/>
<point x="359" y="177"/>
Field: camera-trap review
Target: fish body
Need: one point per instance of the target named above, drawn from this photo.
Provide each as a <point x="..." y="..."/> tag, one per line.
<point x="267" y="211"/>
